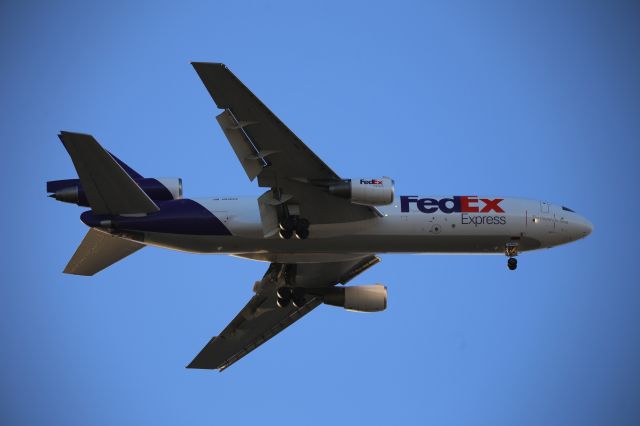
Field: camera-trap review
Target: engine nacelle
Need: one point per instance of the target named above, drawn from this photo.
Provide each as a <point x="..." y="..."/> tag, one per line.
<point x="369" y="192"/>
<point x="359" y="298"/>
<point x="158" y="189"/>
<point x="173" y="185"/>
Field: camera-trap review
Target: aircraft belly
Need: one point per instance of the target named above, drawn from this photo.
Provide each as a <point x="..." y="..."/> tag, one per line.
<point x="354" y="244"/>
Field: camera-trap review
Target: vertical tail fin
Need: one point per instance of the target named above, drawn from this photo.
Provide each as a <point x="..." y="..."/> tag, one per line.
<point x="109" y="187"/>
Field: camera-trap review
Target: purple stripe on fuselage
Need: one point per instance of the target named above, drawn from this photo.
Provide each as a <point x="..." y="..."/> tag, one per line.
<point x="183" y="216"/>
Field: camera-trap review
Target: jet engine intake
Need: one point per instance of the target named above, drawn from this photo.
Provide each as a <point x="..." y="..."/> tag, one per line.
<point x="359" y="298"/>
<point x="368" y="192"/>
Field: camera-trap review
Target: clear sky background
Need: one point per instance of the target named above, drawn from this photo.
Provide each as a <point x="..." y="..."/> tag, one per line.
<point x="533" y="99"/>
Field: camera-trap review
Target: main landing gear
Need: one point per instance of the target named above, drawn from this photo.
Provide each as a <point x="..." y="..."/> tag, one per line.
<point x="294" y="225"/>
<point x="511" y="250"/>
<point x="286" y="295"/>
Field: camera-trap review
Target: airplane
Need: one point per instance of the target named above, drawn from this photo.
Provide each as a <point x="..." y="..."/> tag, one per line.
<point x="317" y="230"/>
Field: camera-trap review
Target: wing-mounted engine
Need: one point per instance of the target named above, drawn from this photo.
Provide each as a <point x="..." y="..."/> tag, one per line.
<point x="281" y="215"/>
<point x="158" y="189"/>
<point x="359" y="298"/>
<point x="368" y="192"/>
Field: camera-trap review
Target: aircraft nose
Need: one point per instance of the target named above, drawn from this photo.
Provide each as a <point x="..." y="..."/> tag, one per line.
<point x="583" y="227"/>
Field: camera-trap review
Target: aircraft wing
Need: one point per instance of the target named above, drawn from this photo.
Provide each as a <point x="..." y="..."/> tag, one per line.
<point x="261" y="318"/>
<point x="270" y="151"/>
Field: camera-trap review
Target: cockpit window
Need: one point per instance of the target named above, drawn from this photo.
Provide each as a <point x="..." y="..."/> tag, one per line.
<point x="567" y="209"/>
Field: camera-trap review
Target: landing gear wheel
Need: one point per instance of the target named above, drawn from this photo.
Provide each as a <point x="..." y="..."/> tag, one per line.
<point x="302" y="224"/>
<point x="286" y="234"/>
<point x="302" y="228"/>
<point x="302" y="234"/>
<point x="282" y="303"/>
<point x="297" y="297"/>
<point x="512" y="263"/>
<point x="289" y="223"/>
<point x="284" y="293"/>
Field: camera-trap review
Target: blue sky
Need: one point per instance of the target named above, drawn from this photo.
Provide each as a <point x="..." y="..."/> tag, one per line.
<point x="533" y="99"/>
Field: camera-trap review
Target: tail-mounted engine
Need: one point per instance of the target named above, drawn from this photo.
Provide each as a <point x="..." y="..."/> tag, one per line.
<point x="369" y="192"/>
<point x="158" y="189"/>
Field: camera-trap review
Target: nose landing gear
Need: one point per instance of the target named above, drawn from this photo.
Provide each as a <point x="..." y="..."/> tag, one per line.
<point x="511" y="250"/>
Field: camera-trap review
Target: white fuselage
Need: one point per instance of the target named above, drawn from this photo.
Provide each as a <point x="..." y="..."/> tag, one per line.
<point x="405" y="226"/>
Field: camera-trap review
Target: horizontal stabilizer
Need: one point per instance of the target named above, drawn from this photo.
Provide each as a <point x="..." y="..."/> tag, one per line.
<point x="99" y="250"/>
<point x="108" y="187"/>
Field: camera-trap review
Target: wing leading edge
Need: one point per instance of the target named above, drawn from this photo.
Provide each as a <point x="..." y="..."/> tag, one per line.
<point x="261" y="318"/>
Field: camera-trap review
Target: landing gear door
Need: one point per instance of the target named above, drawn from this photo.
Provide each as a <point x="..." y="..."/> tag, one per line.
<point x="268" y="216"/>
